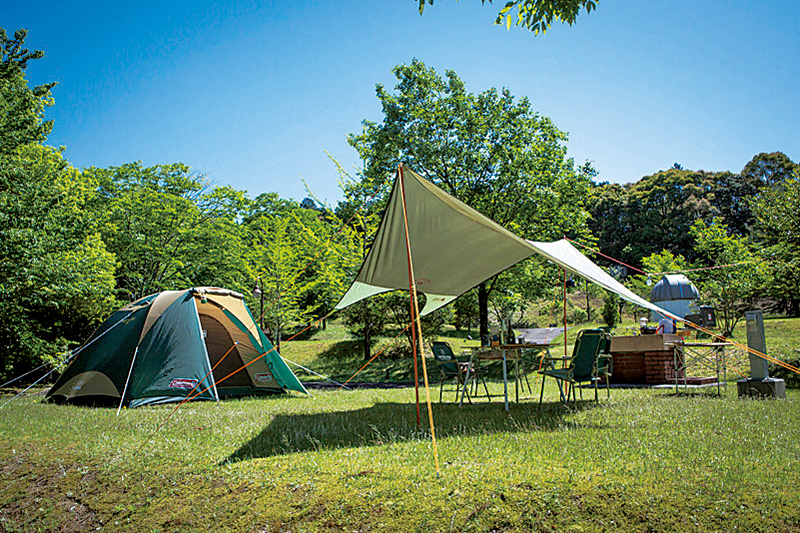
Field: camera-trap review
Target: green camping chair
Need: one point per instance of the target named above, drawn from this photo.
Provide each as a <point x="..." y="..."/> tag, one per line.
<point x="452" y="369"/>
<point x="590" y="361"/>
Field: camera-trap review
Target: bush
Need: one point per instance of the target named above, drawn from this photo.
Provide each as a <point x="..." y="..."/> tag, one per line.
<point x="791" y="378"/>
<point x="611" y="310"/>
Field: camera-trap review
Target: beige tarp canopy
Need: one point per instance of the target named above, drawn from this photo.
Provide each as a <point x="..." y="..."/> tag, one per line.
<point x="454" y="248"/>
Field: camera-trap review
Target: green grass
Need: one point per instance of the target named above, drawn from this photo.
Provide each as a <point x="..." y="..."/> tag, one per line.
<point x="647" y="460"/>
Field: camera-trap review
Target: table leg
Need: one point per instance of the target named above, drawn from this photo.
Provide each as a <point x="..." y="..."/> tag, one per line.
<point x="516" y="376"/>
<point x="505" y="379"/>
<point x="466" y="379"/>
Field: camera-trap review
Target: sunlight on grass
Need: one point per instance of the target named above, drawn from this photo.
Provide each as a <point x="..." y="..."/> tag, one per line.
<point x="356" y="460"/>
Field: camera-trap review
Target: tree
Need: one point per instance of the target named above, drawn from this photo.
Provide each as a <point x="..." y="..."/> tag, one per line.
<point x="21" y="107"/>
<point x="489" y="150"/>
<point x="653" y="214"/>
<point x="56" y="275"/>
<point x="537" y="15"/>
<point x="731" y="196"/>
<point x="769" y="169"/>
<point x="611" y="314"/>
<point x="168" y="229"/>
<point x="777" y="230"/>
<point x="733" y="287"/>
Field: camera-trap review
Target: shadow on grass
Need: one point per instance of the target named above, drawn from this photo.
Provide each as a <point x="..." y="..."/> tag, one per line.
<point x="390" y="422"/>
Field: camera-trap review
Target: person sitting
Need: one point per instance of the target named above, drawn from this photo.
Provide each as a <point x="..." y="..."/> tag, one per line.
<point x="665" y="325"/>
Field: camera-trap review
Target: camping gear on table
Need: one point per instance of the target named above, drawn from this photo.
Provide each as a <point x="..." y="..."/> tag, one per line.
<point x="163" y="347"/>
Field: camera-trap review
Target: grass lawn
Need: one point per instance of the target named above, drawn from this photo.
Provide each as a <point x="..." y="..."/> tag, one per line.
<point x="647" y="460"/>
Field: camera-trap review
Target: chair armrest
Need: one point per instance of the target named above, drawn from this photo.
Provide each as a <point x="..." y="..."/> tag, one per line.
<point x="568" y="358"/>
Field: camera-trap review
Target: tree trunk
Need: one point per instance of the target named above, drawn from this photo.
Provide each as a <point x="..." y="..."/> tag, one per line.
<point x="367" y="339"/>
<point x="483" y="314"/>
<point x="588" y="303"/>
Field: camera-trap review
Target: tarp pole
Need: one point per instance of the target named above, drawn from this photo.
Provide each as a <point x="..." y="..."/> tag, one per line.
<point x="565" y="314"/>
<point x="412" y="290"/>
<point x="411" y="298"/>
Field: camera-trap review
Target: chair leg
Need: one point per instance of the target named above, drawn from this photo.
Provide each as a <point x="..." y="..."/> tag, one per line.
<point x="608" y="388"/>
<point x="525" y="377"/>
<point x="542" y="393"/>
<point x="488" y="396"/>
<point x="465" y="387"/>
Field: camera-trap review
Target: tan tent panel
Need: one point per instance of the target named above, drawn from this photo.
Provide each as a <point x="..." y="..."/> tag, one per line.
<point x="221" y="336"/>
<point x="454" y="248"/>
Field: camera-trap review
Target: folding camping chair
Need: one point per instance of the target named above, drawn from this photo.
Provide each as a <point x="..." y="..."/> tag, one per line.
<point x="452" y="369"/>
<point x="590" y="361"/>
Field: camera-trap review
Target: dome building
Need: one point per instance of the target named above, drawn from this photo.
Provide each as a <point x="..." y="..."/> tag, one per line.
<point x="676" y="294"/>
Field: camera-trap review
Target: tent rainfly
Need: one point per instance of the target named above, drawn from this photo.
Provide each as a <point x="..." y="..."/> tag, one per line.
<point x="455" y="248"/>
<point x="163" y="347"/>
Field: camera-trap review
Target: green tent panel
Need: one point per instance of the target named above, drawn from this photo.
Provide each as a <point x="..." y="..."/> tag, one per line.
<point x="162" y="348"/>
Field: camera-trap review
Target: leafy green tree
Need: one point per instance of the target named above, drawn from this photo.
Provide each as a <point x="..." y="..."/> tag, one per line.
<point x="731" y="196"/>
<point x="489" y="150"/>
<point x="653" y="214"/>
<point x="465" y="310"/>
<point x="303" y="256"/>
<point x="167" y="229"/>
<point x="733" y="288"/>
<point x="56" y="275"/>
<point x="777" y="213"/>
<point x="611" y="314"/>
<point x="398" y="305"/>
<point x="537" y="15"/>
<point x="769" y="168"/>
<point x="21" y="107"/>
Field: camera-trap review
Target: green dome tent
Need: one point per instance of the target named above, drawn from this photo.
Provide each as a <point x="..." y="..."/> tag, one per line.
<point x="163" y="348"/>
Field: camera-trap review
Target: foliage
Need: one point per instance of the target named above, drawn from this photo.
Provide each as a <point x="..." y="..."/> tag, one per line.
<point x="653" y="214"/>
<point x="611" y="314"/>
<point x="21" y="107"/>
<point x="57" y="275"/>
<point x="365" y="319"/>
<point x="770" y="169"/>
<point x="162" y="223"/>
<point x="301" y="260"/>
<point x="489" y="150"/>
<point x="732" y="288"/>
<point x="537" y="15"/>
<point x="465" y="310"/>
<point x="398" y="304"/>
<point x="777" y="212"/>
<point x="655" y="265"/>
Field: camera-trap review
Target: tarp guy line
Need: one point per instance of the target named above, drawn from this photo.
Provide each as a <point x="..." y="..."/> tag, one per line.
<point x="73" y="354"/>
<point x="377" y="354"/>
<point x="341" y="385"/>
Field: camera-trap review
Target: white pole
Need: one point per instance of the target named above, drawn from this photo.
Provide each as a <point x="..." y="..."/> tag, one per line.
<point x="124" y="390"/>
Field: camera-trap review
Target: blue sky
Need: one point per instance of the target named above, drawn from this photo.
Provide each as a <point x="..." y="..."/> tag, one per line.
<point x="253" y="93"/>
